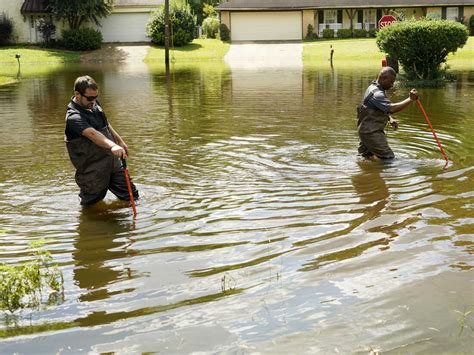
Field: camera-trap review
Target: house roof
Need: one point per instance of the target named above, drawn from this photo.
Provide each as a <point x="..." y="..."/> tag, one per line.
<point x="34" y="6"/>
<point x="40" y="6"/>
<point x="240" y="5"/>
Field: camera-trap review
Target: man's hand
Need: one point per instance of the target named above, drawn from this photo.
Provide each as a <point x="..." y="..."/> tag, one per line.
<point x="118" y="151"/>
<point x="413" y="94"/>
<point x="393" y="123"/>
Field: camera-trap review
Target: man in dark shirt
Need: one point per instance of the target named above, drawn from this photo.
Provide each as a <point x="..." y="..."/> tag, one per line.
<point x="94" y="147"/>
<point x="374" y="113"/>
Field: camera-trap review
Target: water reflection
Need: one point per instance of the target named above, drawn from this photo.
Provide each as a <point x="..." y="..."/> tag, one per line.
<point x="101" y="251"/>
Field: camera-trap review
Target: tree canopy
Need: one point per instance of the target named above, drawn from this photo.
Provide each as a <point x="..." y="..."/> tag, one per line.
<point x="77" y="12"/>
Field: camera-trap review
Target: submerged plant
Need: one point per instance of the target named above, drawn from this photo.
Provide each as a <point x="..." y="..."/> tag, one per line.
<point x="31" y="284"/>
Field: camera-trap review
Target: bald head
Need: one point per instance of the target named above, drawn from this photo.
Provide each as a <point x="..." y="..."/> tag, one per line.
<point x="387" y="77"/>
<point x="387" y="71"/>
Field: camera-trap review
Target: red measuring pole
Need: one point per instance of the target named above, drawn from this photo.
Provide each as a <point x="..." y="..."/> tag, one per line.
<point x="129" y="186"/>
<point x="432" y="130"/>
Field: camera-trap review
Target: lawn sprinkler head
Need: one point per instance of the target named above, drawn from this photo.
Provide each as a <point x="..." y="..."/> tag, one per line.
<point x="17" y="56"/>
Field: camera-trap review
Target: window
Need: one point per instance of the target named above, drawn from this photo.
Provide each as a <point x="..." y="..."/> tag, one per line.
<point x="452" y="13"/>
<point x="330" y="16"/>
<point x="370" y="19"/>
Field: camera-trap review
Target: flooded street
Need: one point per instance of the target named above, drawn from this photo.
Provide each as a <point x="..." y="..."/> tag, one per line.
<point x="258" y="228"/>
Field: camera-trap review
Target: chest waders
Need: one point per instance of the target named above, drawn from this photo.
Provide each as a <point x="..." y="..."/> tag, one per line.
<point x="370" y="126"/>
<point x="94" y="166"/>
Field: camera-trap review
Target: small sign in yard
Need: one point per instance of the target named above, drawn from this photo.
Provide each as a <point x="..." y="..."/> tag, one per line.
<point x="386" y="20"/>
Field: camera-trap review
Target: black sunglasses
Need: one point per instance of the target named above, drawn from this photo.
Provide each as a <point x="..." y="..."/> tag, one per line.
<point x="90" y="98"/>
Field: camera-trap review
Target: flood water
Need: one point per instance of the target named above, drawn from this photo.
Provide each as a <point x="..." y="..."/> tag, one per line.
<point x="258" y="228"/>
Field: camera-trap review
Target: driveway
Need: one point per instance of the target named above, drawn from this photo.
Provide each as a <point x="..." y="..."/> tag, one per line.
<point x="117" y="53"/>
<point x="268" y="55"/>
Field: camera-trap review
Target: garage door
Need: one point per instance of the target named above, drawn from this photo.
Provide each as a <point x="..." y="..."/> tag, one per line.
<point x="125" y="27"/>
<point x="264" y="26"/>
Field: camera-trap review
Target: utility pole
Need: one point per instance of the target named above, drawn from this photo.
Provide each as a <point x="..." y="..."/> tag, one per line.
<point x="167" y="34"/>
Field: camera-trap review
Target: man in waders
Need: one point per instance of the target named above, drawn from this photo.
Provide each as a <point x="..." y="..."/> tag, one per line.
<point x="94" y="147"/>
<point x="374" y="114"/>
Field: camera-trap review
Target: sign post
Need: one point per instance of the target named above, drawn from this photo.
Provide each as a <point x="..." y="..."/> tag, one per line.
<point x="386" y="20"/>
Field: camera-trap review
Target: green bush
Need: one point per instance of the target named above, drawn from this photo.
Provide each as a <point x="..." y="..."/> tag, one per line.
<point x="360" y="33"/>
<point x="471" y="25"/>
<point x="210" y="27"/>
<point x="224" y="32"/>
<point x="183" y="25"/>
<point x="82" y="39"/>
<point x="373" y="32"/>
<point x="47" y="30"/>
<point x="328" y="33"/>
<point x="344" y="33"/>
<point x="6" y="30"/>
<point x="26" y="285"/>
<point x="421" y="46"/>
<point x="310" y="34"/>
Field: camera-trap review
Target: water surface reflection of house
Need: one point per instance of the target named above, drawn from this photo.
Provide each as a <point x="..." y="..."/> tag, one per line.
<point x="126" y="23"/>
<point x="251" y="20"/>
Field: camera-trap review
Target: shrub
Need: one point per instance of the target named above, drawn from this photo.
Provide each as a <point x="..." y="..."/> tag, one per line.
<point x="25" y="285"/>
<point x="471" y="25"/>
<point x="210" y="27"/>
<point x="81" y="39"/>
<point x="47" y="30"/>
<point x="224" y="32"/>
<point x="421" y="46"/>
<point x="344" y="33"/>
<point x="6" y="30"/>
<point x="360" y="33"/>
<point x="373" y="32"/>
<point x="310" y="34"/>
<point x="183" y="25"/>
<point x="328" y="33"/>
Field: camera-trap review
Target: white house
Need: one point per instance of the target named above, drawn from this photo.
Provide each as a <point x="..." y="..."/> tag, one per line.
<point x="126" y="23"/>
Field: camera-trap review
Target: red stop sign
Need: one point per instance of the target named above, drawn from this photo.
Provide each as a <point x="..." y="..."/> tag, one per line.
<point x="386" y="20"/>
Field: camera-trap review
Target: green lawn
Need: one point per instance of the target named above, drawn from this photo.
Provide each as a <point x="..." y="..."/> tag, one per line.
<point x="365" y="52"/>
<point x="5" y="80"/>
<point x="198" y="50"/>
<point x="37" y="55"/>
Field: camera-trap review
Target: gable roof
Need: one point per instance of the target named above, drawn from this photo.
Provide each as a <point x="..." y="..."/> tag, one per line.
<point x="333" y="4"/>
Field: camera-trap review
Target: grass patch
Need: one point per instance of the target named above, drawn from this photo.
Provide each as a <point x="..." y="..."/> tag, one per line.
<point x="198" y="50"/>
<point x="364" y="51"/>
<point x="5" y="80"/>
<point x="36" y="55"/>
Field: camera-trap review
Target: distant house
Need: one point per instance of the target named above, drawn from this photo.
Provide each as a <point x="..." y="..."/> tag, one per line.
<point x="252" y="20"/>
<point x="126" y="23"/>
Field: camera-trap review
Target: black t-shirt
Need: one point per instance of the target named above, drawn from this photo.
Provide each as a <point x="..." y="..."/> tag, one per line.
<point x="78" y="119"/>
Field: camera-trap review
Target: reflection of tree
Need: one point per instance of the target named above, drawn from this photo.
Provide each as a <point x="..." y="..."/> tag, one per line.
<point x="96" y="245"/>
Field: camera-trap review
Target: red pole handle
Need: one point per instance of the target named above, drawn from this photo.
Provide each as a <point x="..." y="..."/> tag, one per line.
<point x="432" y="130"/>
<point x="129" y="186"/>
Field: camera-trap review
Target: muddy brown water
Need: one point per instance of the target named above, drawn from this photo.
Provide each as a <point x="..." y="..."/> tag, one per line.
<point x="258" y="230"/>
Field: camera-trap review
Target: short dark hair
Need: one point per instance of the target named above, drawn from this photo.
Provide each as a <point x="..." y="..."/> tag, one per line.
<point x="83" y="83"/>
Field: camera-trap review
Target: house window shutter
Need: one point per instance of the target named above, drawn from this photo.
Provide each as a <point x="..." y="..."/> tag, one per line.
<point x="461" y="12"/>
<point x="339" y="16"/>
<point x="320" y="16"/>
<point x="379" y="15"/>
<point x="443" y="13"/>
<point x="360" y="16"/>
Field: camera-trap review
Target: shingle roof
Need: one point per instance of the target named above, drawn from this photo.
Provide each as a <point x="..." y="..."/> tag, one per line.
<point x="332" y="4"/>
<point x="34" y="6"/>
<point x="40" y="6"/>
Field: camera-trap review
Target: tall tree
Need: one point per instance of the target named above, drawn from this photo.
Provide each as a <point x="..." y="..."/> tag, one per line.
<point x="77" y="12"/>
